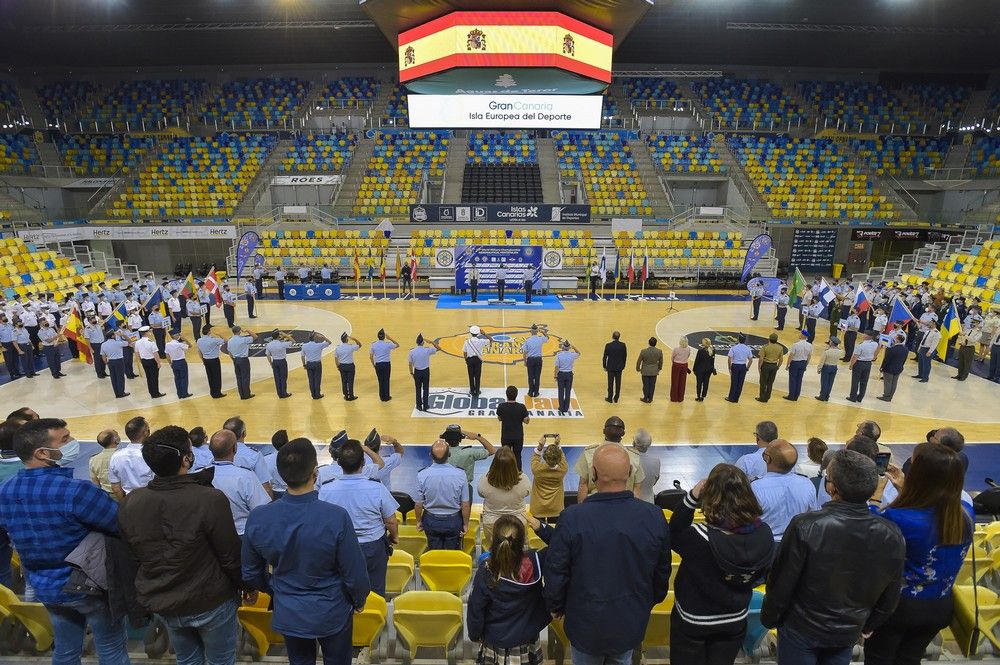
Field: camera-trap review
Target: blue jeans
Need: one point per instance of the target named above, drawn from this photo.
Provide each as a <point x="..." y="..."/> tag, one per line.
<point x="336" y="648"/>
<point x="6" y="554"/>
<point x="796" y="649"/>
<point x="827" y="375"/>
<point x="69" y="623"/>
<point x="581" y="658"/>
<point x="209" y="637"/>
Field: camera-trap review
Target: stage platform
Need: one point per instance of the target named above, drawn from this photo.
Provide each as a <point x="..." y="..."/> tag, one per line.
<point x="490" y="301"/>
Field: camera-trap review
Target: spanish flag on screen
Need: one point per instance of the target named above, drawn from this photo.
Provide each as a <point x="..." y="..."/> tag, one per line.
<point x="951" y="328"/>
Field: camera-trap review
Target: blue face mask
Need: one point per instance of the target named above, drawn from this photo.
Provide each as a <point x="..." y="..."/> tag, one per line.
<point x="69" y="451"/>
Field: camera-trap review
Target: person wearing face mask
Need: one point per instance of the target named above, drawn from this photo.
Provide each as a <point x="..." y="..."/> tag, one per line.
<point x="305" y="553"/>
<point x="47" y="514"/>
<point x="179" y="518"/>
<point x="10" y="354"/>
<point x="51" y="341"/>
<point x="25" y="351"/>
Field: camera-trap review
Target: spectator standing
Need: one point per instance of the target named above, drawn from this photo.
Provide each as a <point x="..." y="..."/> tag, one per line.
<point x="465" y="457"/>
<point x="238" y="484"/>
<point x="371" y="508"/>
<point x="721" y="562"/>
<point x="47" y="514"/>
<point x="607" y="565"/>
<point x="305" y="553"/>
<point x="679" y="370"/>
<point x="513" y="416"/>
<point x="753" y="464"/>
<point x="127" y="470"/>
<point x="246" y="457"/>
<point x="181" y="532"/>
<point x="506" y="609"/>
<point x="614" y="432"/>
<point x="202" y="454"/>
<point x="782" y="493"/>
<point x="650" y="464"/>
<point x="937" y="527"/>
<point x="278" y="487"/>
<point x="704" y="368"/>
<point x="442" y="504"/>
<point x="827" y="369"/>
<point x="548" y="469"/>
<point x="98" y="465"/>
<point x="649" y="364"/>
<point x="504" y="489"/>
<point x="893" y="363"/>
<point x="819" y="615"/>
<point x="815" y="449"/>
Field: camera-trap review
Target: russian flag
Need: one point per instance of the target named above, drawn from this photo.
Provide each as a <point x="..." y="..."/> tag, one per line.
<point x="861" y="302"/>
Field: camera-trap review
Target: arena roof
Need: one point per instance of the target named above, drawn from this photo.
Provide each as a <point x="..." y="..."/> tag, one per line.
<point x="883" y="34"/>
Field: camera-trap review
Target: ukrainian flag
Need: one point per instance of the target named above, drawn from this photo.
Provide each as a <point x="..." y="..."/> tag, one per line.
<point x="951" y="327"/>
<point x="118" y="317"/>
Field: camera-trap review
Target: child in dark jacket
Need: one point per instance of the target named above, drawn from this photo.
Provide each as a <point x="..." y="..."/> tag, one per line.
<point x="722" y="561"/>
<point x="506" y="609"/>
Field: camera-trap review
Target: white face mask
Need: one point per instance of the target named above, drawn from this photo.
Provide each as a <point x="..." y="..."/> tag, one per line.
<point x="69" y="451"/>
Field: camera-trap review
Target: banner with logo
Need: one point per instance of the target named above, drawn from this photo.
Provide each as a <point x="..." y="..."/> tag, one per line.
<point x="127" y="232"/>
<point x="90" y="183"/>
<point x="518" y="261"/>
<point x="307" y="179"/>
<point x="500" y="213"/>
<point x="458" y="403"/>
<point x="245" y="250"/>
<point x="755" y="252"/>
<point x="920" y="235"/>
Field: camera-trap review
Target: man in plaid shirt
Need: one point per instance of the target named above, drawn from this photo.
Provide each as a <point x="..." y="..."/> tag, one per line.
<point x="47" y="513"/>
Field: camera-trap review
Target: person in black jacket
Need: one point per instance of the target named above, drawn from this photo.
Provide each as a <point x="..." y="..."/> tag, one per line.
<point x="506" y="608"/>
<point x="722" y="561"/>
<point x="704" y="368"/>
<point x="615" y="355"/>
<point x="893" y="363"/>
<point x="838" y="572"/>
<point x="607" y="565"/>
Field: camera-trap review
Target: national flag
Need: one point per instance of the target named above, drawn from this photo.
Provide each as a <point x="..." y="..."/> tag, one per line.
<point x="900" y="313"/>
<point x="119" y="315"/>
<point x="371" y="268"/>
<point x="618" y="265"/>
<point x="155" y="301"/>
<point x="74" y="332"/>
<point x="213" y="287"/>
<point x="861" y="302"/>
<point x="645" y="268"/>
<point x="825" y="294"/>
<point x="951" y="327"/>
<point x="604" y="264"/>
<point x="797" y="288"/>
<point x="631" y="269"/>
<point x="188" y="289"/>
<point x="399" y="265"/>
<point x="357" y="266"/>
<point x="381" y="268"/>
<point x="413" y="268"/>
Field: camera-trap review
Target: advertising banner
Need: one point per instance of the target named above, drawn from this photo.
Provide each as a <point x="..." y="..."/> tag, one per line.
<point x="334" y="179"/>
<point x="245" y="250"/>
<point x="755" y="252"/>
<point x="505" y="111"/>
<point x="518" y="261"/>
<point x="499" y="213"/>
<point x="127" y="232"/>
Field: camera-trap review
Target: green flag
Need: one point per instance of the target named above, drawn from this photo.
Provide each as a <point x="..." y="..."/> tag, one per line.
<point x="798" y="286"/>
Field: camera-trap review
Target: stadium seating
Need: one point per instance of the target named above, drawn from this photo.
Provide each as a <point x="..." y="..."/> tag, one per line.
<point x="102" y="155"/>
<point x="649" y="89"/>
<point x="257" y="102"/>
<point x="350" y="92"/>
<point x="398" y="165"/>
<point x="10" y="103"/>
<point x="316" y="248"/>
<point x="685" y="154"/>
<point x="319" y="153"/>
<point x="17" y="153"/>
<point x="681" y="250"/>
<point x="195" y="177"/>
<point x="902" y="155"/>
<point x="397" y="112"/>
<point x="809" y="178"/>
<point x="501" y="167"/>
<point x="868" y="104"/>
<point x="577" y="247"/>
<point x="605" y="164"/>
<point x="747" y="103"/>
<point x="146" y="103"/>
<point x="502" y="148"/>
<point x="984" y="156"/>
<point x="973" y="274"/>
<point x="609" y="107"/>
<point x="26" y="270"/>
<point x="64" y="100"/>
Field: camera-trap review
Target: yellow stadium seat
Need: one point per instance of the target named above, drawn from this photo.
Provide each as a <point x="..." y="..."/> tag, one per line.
<point x="399" y="572"/>
<point x="428" y="619"/>
<point x="446" y="570"/>
<point x="368" y="623"/>
<point x="411" y="540"/>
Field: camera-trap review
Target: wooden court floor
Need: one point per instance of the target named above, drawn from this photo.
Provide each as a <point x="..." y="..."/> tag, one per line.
<point x="89" y="405"/>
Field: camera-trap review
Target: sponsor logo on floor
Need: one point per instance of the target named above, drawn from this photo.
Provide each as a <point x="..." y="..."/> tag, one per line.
<point x="458" y="403"/>
<point x="258" y="346"/>
<point x="505" y="345"/>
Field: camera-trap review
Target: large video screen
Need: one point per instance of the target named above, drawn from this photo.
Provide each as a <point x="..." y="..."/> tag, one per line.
<point x="505" y="39"/>
<point x="505" y="111"/>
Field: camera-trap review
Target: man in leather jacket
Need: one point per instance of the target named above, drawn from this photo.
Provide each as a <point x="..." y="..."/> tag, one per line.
<point x="837" y="573"/>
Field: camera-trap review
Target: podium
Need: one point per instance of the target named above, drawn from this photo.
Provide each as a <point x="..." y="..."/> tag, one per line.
<point x="312" y="291"/>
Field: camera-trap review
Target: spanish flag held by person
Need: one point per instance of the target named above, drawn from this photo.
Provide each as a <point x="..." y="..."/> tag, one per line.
<point x="74" y="332"/>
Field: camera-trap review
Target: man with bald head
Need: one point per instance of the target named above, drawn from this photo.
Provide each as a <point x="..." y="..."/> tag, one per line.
<point x="443" y="501"/>
<point x="239" y="485"/>
<point x="782" y="493"/>
<point x="607" y="564"/>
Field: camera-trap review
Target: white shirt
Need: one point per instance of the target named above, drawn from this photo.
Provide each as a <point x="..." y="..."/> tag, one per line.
<point x="474" y="347"/>
<point x="128" y="469"/>
<point x="801" y="350"/>
<point x="175" y="350"/>
<point x="146" y="348"/>
<point x="104" y="308"/>
<point x="174" y="304"/>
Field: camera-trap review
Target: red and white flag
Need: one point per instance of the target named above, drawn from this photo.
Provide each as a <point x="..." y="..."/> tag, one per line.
<point x="212" y="286"/>
<point x="413" y="268"/>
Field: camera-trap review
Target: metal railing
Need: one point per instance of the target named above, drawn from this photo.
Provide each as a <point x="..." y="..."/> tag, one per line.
<point x="716" y="124"/>
<point x="897" y="128"/>
<point x="954" y="173"/>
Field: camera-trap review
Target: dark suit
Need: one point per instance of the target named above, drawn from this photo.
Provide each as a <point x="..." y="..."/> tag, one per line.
<point x="615" y="356"/>
<point x="893" y="363"/>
